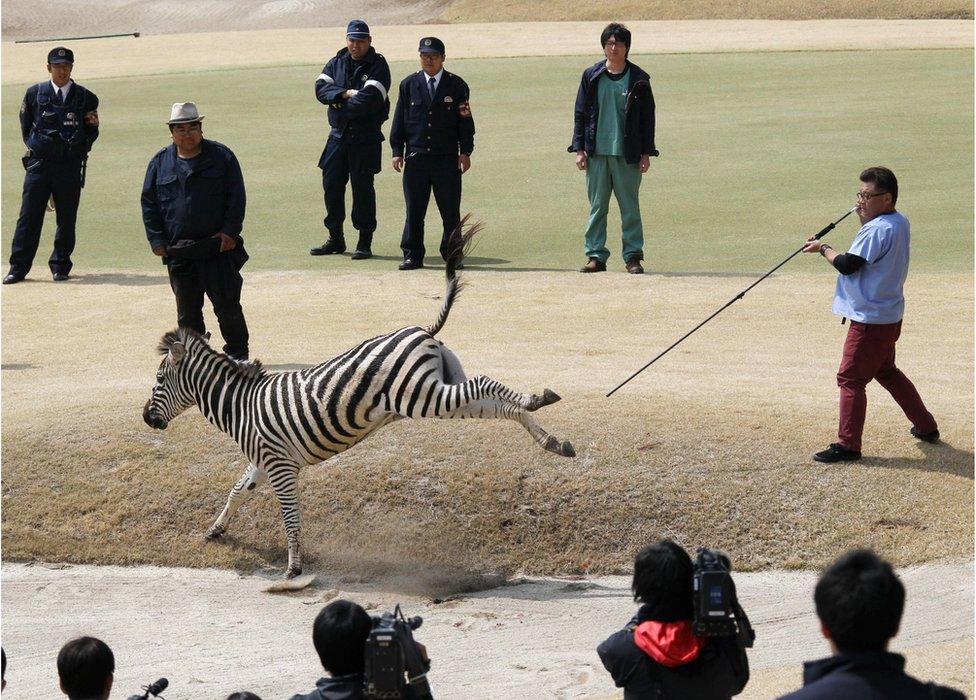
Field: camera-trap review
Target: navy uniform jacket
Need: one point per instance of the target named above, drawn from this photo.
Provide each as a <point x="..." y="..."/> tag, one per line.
<point x="209" y="200"/>
<point x="443" y="127"/>
<point x="358" y="119"/>
<point x="638" y="119"/>
<point x="57" y="133"/>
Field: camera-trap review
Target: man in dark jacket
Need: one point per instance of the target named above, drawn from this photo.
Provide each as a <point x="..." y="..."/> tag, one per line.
<point x="193" y="204"/>
<point x="657" y="655"/>
<point x="432" y="138"/>
<point x="59" y="124"/>
<point x="355" y="85"/>
<point x="339" y="635"/>
<point x="613" y="138"/>
<point x="859" y="601"/>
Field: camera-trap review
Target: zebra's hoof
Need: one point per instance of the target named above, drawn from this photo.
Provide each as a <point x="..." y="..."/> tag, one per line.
<point x="548" y="397"/>
<point x="293" y="571"/>
<point x="567" y="449"/>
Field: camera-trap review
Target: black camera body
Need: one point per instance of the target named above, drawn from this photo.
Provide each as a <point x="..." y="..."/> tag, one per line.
<point x="394" y="668"/>
<point x="717" y="612"/>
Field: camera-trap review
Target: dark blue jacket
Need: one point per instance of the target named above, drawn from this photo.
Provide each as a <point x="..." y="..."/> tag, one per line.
<point x="57" y="133"/>
<point x="866" y="675"/>
<point x="343" y="688"/>
<point x="358" y="119"/>
<point x="209" y="200"/>
<point x="638" y="119"/>
<point x="442" y="127"/>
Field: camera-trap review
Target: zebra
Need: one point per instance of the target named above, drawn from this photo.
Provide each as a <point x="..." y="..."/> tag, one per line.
<point x="284" y="421"/>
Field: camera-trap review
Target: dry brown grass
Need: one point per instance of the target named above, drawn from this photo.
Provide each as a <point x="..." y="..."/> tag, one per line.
<point x="711" y="445"/>
<point x="555" y="10"/>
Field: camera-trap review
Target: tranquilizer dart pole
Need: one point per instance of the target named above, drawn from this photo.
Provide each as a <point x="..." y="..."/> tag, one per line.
<point x="734" y="299"/>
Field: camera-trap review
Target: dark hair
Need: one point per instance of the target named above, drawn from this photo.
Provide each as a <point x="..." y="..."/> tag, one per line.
<point x="883" y="179"/>
<point x="84" y="667"/>
<point x="860" y="600"/>
<point x="339" y="635"/>
<point x="243" y="695"/>
<point x="663" y="581"/>
<point x="618" y="32"/>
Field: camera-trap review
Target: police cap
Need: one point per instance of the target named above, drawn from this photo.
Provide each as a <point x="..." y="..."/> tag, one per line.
<point x="357" y="29"/>
<point x="59" y="54"/>
<point x="431" y="44"/>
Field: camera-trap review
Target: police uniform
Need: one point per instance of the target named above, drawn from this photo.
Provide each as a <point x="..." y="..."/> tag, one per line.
<point x="58" y="141"/>
<point x="184" y="203"/>
<point x="354" y="149"/>
<point x="430" y="132"/>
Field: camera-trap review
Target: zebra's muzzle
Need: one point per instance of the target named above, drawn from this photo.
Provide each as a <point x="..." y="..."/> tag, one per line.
<point x="153" y="421"/>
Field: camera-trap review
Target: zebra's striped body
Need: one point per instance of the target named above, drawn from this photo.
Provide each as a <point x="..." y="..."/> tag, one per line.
<point x="285" y="421"/>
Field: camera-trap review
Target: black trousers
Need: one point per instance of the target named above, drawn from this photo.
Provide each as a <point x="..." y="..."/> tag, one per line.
<point x="221" y="281"/>
<point x="41" y="180"/>
<point x="343" y="162"/>
<point x="421" y="174"/>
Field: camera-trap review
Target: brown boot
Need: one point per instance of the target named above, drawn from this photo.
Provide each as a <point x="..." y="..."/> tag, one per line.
<point x="594" y="265"/>
<point x="634" y="266"/>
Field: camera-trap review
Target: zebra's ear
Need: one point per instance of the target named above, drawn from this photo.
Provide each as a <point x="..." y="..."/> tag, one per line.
<point x="206" y="336"/>
<point x="177" y="351"/>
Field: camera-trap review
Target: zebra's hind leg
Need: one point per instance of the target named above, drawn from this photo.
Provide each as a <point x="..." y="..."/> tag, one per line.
<point x="252" y="477"/>
<point x="284" y="481"/>
<point x="495" y="408"/>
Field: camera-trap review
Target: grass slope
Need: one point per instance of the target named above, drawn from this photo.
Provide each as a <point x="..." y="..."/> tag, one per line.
<point x="758" y="151"/>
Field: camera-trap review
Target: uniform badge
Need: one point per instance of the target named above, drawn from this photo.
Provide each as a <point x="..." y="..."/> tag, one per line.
<point x="464" y="110"/>
<point x="70" y="115"/>
<point x="61" y="52"/>
<point x="23" y="106"/>
<point x="426" y="42"/>
<point x="364" y="78"/>
<point x="449" y="99"/>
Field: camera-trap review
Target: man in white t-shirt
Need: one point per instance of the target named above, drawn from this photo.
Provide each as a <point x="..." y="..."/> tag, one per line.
<point x="869" y="294"/>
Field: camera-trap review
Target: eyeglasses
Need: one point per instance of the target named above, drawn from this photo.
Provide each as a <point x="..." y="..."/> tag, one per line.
<point x="865" y="196"/>
<point x="184" y="130"/>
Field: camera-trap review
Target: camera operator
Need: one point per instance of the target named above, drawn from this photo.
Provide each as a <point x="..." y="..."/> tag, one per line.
<point x="85" y="668"/>
<point x="658" y="655"/>
<point x="859" y="601"/>
<point x="339" y="635"/>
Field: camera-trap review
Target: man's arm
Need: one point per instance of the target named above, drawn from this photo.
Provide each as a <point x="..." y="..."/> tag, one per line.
<point x="151" y="216"/>
<point x="327" y="91"/>
<point x="90" y="116"/>
<point x="235" y="197"/>
<point x="648" y="122"/>
<point x="579" y="118"/>
<point x="844" y="263"/>
<point x="27" y="113"/>
<point x="398" y="129"/>
<point x="466" y="123"/>
<point x="372" y="96"/>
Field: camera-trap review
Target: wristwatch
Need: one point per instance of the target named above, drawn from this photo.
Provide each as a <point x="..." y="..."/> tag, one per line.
<point x="824" y="248"/>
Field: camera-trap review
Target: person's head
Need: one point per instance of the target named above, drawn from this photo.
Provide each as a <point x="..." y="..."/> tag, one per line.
<point x="663" y="581"/>
<point x="339" y="635"/>
<point x="243" y="695"/>
<point x="431" y="55"/>
<point x="859" y="602"/>
<point x="60" y="61"/>
<point x="615" y="41"/>
<point x="85" y="668"/>
<point x="878" y="192"/>
<point x="358" y="39"/>
<point x="186" y="126"/>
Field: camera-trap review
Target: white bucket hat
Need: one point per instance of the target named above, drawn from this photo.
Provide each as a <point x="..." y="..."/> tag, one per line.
<point x="184" y="113"/>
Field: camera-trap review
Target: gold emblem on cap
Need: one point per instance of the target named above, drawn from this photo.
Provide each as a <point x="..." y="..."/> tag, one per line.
<point x="426" y="42"/>
<point x="61" y="51"/>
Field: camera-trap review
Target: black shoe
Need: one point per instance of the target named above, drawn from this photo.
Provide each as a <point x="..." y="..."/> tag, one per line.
<point x="13" y="279"/>
<point x="361" y="254"/>
<point x="932" y="437"/>
<point x="60" y="276"/>
<point x="837" y="453"/>
<point x="411" y="264"/>
<point x="330" y="247"/>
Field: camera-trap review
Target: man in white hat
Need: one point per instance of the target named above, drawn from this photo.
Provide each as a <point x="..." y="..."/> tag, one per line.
<point x="193" y="209"/>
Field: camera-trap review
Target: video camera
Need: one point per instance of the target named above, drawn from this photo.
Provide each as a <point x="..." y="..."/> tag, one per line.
<point x="717" y="610"/>
<point x="394" y="667"/>
<point x="153" y="689"/>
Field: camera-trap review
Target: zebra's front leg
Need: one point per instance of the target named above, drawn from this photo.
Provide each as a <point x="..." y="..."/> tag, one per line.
<point x="284" y="481"/>
<point x="252" y="477"/>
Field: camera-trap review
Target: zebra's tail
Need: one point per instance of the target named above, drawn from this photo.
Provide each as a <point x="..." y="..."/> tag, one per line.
<point x="458" y="245"/>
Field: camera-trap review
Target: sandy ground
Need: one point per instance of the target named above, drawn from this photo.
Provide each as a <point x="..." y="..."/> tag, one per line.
<point x="173" y="53"/>
<point x="211" y="632"/>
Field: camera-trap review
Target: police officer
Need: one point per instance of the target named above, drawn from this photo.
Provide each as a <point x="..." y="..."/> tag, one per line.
<point x="59" y="123"/>
<point x="355" y="84"/>
<point x="193" y="204"/>
<point x="432" y="138"/>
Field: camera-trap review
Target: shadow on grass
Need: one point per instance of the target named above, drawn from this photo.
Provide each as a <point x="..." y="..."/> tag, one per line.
<point x="122" y="280"/>
<point x="17" y="365"/>
<point x="941" y="457"/>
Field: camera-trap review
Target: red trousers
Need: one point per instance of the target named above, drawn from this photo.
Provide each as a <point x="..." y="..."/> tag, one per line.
<point x="869" y="353"/>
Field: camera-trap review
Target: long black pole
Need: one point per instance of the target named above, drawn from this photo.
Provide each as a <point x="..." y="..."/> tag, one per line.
<point x="75" y="38"/>
<point x="826" y="229"/>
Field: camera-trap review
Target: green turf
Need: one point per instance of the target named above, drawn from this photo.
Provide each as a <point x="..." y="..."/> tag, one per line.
<point x="758" y="150"/>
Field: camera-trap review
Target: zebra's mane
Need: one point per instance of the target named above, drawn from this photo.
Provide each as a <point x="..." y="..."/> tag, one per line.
<point x="252" y="369"/>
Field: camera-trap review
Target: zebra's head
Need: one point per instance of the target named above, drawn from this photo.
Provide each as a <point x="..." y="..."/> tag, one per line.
<point x="171" y="396"/>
